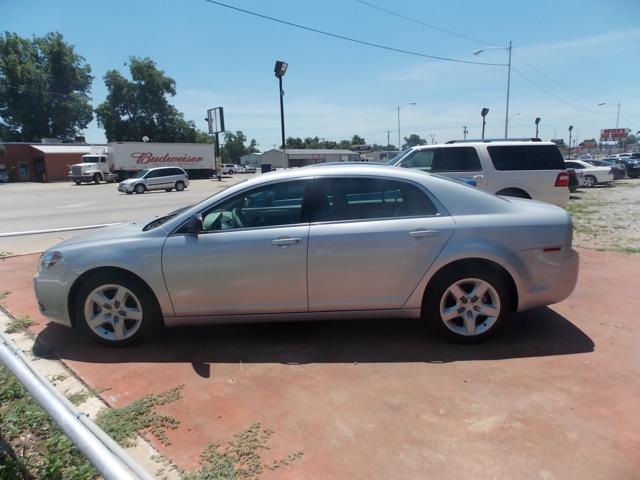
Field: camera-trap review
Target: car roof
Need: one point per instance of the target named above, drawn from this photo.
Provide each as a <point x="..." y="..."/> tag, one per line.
<point x="492" y="143"/>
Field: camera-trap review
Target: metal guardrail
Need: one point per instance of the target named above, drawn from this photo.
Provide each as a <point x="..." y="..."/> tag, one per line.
<point x="106" y="455"/>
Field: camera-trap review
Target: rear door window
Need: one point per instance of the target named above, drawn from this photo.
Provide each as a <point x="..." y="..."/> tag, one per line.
<point x="368" y="198"/>
<point x="526" y="157"/>
<point x="456" y="159"/>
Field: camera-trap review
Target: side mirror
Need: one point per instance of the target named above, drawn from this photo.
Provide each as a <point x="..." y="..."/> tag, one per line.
<point x="193" y="225"/>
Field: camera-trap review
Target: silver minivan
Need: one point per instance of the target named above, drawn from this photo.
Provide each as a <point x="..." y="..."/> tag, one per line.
<point x="160" y="178"/>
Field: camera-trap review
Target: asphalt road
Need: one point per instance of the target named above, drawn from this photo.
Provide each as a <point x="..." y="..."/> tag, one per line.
<point x="28" y="207"/>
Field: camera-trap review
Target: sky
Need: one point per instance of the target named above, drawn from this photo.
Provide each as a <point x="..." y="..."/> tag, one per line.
<point x="568" y="56"/>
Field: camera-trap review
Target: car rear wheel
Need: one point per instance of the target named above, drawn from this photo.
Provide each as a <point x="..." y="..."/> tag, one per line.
<point x="468" y="303"/>
<point x="590" y="181"/>
<point x="179" y="186"/>
<point x="139" y="188"/>
<point x="115" y="309"/>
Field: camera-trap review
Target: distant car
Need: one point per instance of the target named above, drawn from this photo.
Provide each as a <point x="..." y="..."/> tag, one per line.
<point x="160" y="178"/>
<point x="592" y="176"/>
<point x="228" y="169"/>
<point x="514" y="168"/>
<point x="619" y="172"/>
<point x="631" y="166"/>
<point x="328" y="242"/>
<point x="4" y="176"/>
<point x="250" y="168"/>
<point x="239" y="169"/>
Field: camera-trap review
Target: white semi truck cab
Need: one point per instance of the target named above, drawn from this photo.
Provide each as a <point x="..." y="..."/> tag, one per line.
<point x="95" y="167"/>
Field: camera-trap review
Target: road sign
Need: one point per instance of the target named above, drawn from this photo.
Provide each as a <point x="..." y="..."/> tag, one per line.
<point x="614" y="134"/>
<point x="215" y="120"/>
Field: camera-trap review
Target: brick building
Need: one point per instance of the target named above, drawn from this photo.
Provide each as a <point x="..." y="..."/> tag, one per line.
<point x="40" y="162"/>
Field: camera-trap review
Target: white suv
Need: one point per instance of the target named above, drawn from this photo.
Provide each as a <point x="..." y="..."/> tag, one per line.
<point x="516" y="168"/>
<point x="160" y="178"/>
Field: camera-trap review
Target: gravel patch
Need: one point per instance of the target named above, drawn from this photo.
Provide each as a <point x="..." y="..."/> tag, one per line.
<point x="606" y="218"/>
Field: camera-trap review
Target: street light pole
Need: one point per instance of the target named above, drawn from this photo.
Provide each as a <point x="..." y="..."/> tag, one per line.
<point x="484" y="119"/>
<point x="399" y="108"/>
<point x="465" y="132"/>
<point x="537" y="122"/>
<point x="506" y="115"/>
<point x="280" y="69"/>
<point x="618" y="116"/>
<point x="569" y="154"/>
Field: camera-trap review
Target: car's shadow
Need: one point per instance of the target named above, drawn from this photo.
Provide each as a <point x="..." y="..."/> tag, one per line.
<point x="540" y="332"/>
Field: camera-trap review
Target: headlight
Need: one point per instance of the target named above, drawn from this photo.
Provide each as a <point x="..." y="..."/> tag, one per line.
<point x="49" y="259"/>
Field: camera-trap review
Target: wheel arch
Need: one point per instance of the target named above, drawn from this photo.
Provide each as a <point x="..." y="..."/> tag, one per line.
<point x="478" y="262"/>
<point x="75" y="287"/>
<point x="514" y="192"/>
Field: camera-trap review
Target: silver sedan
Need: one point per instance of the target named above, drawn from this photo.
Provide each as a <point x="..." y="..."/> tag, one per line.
<point x="323" y="242"/>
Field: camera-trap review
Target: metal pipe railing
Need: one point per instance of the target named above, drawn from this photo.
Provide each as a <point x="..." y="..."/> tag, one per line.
<point x="106" y="455"/>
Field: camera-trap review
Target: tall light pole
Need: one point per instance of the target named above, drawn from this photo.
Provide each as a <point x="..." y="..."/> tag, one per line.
<point x="484" y="112"/>
<point x="618" y="115"/>
<point x="506" y="115"/>
<point x="399" y="108"/>
<point x="465" y="132"/>
<point x="569" y="154"/>
<point x="280" y="69"/>
<point x="537" y="122"/>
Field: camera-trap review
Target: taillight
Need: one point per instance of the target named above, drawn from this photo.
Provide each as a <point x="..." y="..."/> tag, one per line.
<point x="562" y="180"/>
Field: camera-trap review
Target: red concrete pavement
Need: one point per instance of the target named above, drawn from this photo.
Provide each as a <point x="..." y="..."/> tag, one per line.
<point x="554" y="395"/>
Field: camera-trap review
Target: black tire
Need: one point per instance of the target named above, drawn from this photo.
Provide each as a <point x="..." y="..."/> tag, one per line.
<point x="179" y="185"/>
<point x="634" y="175"/>
<point x="78" y="182"/>
<point x="590" y="181"/>
<point x="151" y="316"/>
<point x="447" y="278"/>
<point x="139" y="188"/>
<point x="96" y="178"/>
<point x="128" y="193"/>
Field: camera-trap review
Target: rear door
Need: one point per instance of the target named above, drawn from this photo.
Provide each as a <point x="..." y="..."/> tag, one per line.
<point x="371" y="242"/>
<point x="460" y="163"/>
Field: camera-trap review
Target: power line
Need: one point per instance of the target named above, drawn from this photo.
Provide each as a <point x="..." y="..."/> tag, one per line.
<point x="424" y="24"/>
<point x="350" y="39"/>
<point x="551" y="79"/>
<point x="554" y="95"/>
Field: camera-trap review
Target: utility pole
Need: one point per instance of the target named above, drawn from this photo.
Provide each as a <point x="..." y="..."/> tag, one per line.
<point x="388" y="142"/>
<point x="618" y="116"/>
<point x="433" y="138"/>
<point x="506" y="118"/>
<point x="465" y="131"/>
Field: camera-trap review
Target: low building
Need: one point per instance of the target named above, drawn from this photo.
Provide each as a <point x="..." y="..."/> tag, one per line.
<point x="40" y="162"/>
<point x="299" y="157"/>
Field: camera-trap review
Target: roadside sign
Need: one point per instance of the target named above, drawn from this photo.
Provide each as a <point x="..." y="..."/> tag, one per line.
<point x="614" y="133"/>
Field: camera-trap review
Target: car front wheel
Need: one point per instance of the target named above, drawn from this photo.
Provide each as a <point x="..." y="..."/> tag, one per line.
<point x="139" y="188"/>
<point x="115" y="309"/>
<point x="590" y="181"/>
<point x="179" y="186"/>
<point x="467" y="304"/>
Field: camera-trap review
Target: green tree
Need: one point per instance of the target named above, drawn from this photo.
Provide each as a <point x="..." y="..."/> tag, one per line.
<point x="357" y="140"/>
<point x="413" y="140"/>
<point x="631" y="139"/>
<point x="234" y="146"/>
<point x="139" y="107"/>
<point x="44" y="89"/>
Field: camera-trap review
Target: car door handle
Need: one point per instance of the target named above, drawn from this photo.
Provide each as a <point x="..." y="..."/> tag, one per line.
<point x="285" y="241"/>
<point x="477" y="177"/>
<point x="422" y="232"/>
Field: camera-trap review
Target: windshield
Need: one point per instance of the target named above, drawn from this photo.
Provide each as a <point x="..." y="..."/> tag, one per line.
<point x="140" y="174"/>
<point x="398" y="157"/>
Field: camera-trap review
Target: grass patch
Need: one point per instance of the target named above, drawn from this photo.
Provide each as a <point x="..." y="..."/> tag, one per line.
<point x="4" y="294"/>
<point x="140" y="416"/>
<point x="240" y="458"/>
<point x="31" y="444"/>
<point x="78" y="398"/>
<point x="19" y="324"/>
<point x="623" y="249"/>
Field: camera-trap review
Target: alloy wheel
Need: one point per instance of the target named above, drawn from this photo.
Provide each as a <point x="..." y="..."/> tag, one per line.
<point x="470" y="307"/>
<point x="113" y="312"/>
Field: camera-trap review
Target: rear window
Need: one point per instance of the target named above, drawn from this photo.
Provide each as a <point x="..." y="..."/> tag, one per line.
<point x="456" y="159"/>
<point x="526" y="157"/>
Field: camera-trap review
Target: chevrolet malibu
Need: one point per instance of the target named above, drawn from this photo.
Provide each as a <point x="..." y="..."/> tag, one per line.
<point x="324" y="242"/>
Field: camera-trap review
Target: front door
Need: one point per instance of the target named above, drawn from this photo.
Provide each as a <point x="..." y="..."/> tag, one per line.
<point x="373" y="243"/>
<point x="251" y="256"/>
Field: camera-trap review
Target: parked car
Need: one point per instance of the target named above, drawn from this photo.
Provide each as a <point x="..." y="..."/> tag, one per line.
<point x="618" y="171"/>
<point x="250" y="169"/>
<point x="4" y="175"/>
<point x="525" y="169"/>
<point x="324" y="242"/>
<point x="159" y="178"/>
<point x="228" y="169"/>
<point x="631" y="166"/>
<point x="592" y="176"/>
<point x="239" y="169"/>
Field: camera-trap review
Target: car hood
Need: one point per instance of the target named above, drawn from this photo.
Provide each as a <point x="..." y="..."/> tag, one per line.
<point x="129" y="181"/>
<point x="120" y="231"/>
